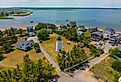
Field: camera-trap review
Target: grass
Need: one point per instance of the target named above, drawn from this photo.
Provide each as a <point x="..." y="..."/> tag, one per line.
<point x="16" y="57"/>
<point x="104" y="70"/>
<point x="86" y="51"/>
<point x="50" y="46"/>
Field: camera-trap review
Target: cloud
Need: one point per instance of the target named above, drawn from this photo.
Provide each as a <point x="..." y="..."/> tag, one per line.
<point x="80" y="3"/>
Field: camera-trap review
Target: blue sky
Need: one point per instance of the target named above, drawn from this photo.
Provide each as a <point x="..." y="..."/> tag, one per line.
<point x="68" y="3"/>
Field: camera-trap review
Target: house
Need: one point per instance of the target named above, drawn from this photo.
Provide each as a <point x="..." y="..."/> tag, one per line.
<point x="106" y="35"/>
<point x="24" y="45"/>
<point x="58" y="44"/>
<point x="62" y="27"/>
<point x="81" y="28"/>
<point x="115" y="39"/>
<point x="96" y="36"/>
<point x="50" y="31"/>
<point x="94" y="29"/>
<point x="79" y="32"/>
<point x="100" y="44"/>
<point x="72" y="24"/>
<point x="109" y="33"/>
<point x="81" y="45"/>
<point x="31" y="34"/>
<point x="119" y="80"/>
<point x="30" y="29"/>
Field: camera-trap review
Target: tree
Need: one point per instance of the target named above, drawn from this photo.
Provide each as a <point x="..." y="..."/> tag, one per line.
<point x="116" y="66"/>
<point x="1" y="56"/>
<point x="51" y="26"/>
<point x="94" y="51"/>
<point x="40" y="26"/>
<point x="43" y="34"/>
<point x="70" y="34"/>
<point x="31" y="71"/>
<point x="115" y="52"/>
<point x="72" y="24"/>
<point x="37" y="48"/>
<point x="6" y="47"/>
<point x="21" y="32"/>
<point x="66" y="60"/>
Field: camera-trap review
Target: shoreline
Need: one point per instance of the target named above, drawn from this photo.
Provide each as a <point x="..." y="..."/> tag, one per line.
<point x="3" y="29"/>
<point x="25" y="27"/>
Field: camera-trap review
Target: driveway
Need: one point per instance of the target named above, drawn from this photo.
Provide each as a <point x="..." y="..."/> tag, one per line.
<point x="80" y="76"/>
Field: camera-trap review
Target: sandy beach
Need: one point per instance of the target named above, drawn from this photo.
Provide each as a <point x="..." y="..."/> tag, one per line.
<point x="24" y="28"/>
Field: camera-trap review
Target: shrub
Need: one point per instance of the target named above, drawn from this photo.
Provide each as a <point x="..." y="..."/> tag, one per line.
<point x="115" y="52"/>
<point x="37" y="48"/>
<point x="116" y="66"/>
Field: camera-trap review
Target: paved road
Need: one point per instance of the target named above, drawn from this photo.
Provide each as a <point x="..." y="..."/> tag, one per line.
<point x="35" y="39"/>
<point x="80" y="76"/>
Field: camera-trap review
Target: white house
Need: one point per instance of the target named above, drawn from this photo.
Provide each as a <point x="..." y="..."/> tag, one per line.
<point x="79" y="32"/>
<point x="50" y="31"/>
<point x="59" y="44"/>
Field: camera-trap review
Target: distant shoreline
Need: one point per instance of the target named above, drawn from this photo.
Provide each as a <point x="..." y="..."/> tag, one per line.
<point x="61" y="7"/>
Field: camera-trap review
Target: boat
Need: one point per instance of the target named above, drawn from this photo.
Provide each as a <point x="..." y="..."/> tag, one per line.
<point x="31" y="21"/>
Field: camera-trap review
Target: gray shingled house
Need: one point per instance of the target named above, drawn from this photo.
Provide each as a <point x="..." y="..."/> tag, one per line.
<point x="24" y="45"/>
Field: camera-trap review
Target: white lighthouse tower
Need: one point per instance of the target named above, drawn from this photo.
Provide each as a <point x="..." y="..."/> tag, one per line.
<point x="58" y="44"/>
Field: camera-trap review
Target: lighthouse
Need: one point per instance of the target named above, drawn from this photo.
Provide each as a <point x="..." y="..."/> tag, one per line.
<point x="58" y="44"/>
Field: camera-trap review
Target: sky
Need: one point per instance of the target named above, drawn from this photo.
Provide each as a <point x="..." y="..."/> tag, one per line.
<point x="60" y="3"/>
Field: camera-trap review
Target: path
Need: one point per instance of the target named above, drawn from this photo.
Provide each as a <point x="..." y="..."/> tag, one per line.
<point x="79" y="74"/>
<point x="35" y="39"/>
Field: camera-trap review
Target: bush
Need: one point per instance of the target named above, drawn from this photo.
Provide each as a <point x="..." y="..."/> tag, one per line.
<point x="116" y="66"/>
<point x="40" y="41"/>
<point x="28" y="48"/>
<point x="96" y="52"/>
<point x="115" y="52"/>
<point x="43" y="34"/>
<point x="1" y="56"/>
<point x="40" y="26"/>
<point x="37" y="48"/>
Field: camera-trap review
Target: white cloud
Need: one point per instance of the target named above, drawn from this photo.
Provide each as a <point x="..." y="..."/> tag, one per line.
<point x="100" y="3"/>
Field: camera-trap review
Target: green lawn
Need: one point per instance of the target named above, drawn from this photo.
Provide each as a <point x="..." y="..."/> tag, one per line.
<point x="104" y="69"/>
<point x="50" y="46"/>
<point x="16" y="57"/>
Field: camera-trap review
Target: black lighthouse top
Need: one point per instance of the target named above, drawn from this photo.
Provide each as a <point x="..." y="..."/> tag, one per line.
<point x="59" y="38"/>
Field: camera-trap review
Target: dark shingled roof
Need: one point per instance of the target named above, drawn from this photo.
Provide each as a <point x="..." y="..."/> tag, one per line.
<point x="97" y="33"/>
<point x="59" y="38"/>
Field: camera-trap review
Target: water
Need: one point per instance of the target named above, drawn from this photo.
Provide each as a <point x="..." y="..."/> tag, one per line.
<point x="103" y="18"/>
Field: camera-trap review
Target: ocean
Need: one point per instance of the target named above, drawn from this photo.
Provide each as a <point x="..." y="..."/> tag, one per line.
<point x="102" y="18"/>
